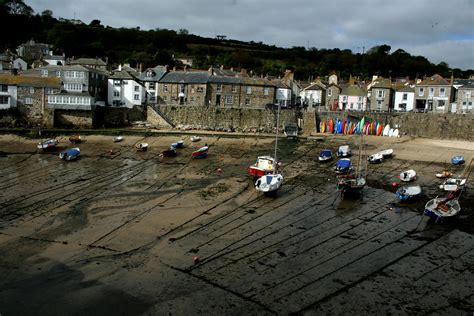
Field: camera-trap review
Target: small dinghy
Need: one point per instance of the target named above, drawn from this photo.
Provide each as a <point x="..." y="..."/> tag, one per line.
<point x="195" y="138"/>
<point x="269" y="184"/>
<point x="440" y="208"/>
<point x="118" y="139"/>
<point x="174" y="145"/>
<point x="325" y="155"/>
<point x="344" y="151"/>
<point x="343" y="166"/>
<point x="263" y="165"/>
<point x="453" y="184"/>
<point x="376" y="158"/>
<point x="387" y="153"/>
<point x="70" y="154"/>
<point x="457" y="160"/>
<point x="408" y="175"/>
<point x="75" y="139"/>
<point x="180" y="144"/>
<point x="201" y="153"/>
<point x="141" y="146"/>
<point x="408" y="192"/>
<point x="48" y="144"/>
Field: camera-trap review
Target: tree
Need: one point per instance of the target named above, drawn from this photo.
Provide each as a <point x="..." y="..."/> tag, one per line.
<point x="183" y="32"/>
<point x="47" y="14"/>
<point x="95" y="23"/>
<point x="17" y="7"/>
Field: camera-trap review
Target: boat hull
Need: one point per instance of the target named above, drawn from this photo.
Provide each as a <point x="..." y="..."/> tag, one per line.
<point x="269" y="183"/>
<point x="440" y="208"/>
<point x="200" y="153"/>
<point x="70" y="154"/>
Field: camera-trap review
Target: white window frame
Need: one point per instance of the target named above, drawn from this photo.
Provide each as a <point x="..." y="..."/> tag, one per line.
<point x="248" y="89"/>
<point x="44" y="72"/>
<point x="28" y="101"/>
<point x="234" y="88"/>
<point x="266" y="90"/>
<point x="442" y="92"/>
<point x="421" y="92"/>
<point x="116" y="94"/>
<point x="136" y="97"/>
<point x="219" y="87"/>
<point x="229" y="99"/>
<point x="431" y="91"/>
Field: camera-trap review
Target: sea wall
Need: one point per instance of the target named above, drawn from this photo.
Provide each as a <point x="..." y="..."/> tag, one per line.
<point x="430" y="125"/>
<point x="221" y="119"/>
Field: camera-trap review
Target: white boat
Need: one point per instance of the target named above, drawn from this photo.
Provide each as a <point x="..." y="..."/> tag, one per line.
<point x="270" y="183"/>
<point x="141" y="146"/>
<point x="439" y="208"/>
<point x="376" y="158"/>
<point x="195" y="138"/>
<point x="117" y="139"/>
<point x="387" y="153"/>
<point x="344" y="151"/>
<point x="408" y="192"/>
<point x="48" y="144"/>
<point x="408" y="175"/>
<point x="386" y="130"/>
<point x="453" y="184"/>
<point x="353" y="184"/>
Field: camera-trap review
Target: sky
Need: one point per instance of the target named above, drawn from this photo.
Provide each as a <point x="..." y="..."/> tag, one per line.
<point x="440" y="30"/>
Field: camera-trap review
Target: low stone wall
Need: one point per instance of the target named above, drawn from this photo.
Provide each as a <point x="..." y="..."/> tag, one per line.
<point x="430" y="125"/>
<point x="212" y="118"/>
<point x="73" y="118"/>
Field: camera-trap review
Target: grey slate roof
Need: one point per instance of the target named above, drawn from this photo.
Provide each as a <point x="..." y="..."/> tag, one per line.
<point x="157" y="73"/>
<point x="89" y="61"/>
<point x="185" y="77"/>
<point x="121" y="75"/>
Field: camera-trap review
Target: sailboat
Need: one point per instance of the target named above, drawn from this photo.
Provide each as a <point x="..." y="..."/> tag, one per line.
<point x="353" y="184"/>
<point x="271" y="182"/>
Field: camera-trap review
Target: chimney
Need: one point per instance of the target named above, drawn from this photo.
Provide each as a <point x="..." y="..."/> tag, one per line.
<point x="120" y="67"/>
<point x="140" y="67"/>
<point x="452" y="78"/>
<point x="174" y="68"/>
<point x="211" y="70"/>
<point x="231" y="68"/>
<point x="222" y="67"/>
<point x="185" y="67"/>
<point x="351" y="80"/>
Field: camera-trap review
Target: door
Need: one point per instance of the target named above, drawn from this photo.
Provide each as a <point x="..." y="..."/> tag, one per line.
<point x="218" y="99"/>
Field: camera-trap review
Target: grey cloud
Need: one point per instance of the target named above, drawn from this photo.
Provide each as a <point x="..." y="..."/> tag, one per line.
<point x="416" y="26"/>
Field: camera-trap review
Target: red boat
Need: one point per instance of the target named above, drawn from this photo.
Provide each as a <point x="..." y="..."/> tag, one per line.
<point x="201" y="152"/>
<point x="263" y="166"/>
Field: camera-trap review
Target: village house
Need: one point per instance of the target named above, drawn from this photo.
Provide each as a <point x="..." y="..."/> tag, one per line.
<point x="31" y="50"/>
<point x="433" y="94"/>
<point x="380" y="95"/>
<point x="332" y="93"/>
<point x="465" y="98"/>
<point x="29" y="95"/>
<point x="404" y="98"/>
<point x="124" y="89"/>
<point x="92" y="63"/>
<point x="283" y="93"/>
<point x="353" y="98"/>
<point x="150" y="79"/>
<point x="313" y="96"/>
<point x="183" y="88"/>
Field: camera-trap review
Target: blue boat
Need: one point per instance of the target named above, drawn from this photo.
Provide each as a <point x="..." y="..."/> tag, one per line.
<point x="70" y="154"/>
<point x="457" y="160"/>
<point x="325" y="155"/>
<point x="180" y="144"/>
<point x="174" y="145"/>
<point x="201" y="152"/>
<point x="343" y="165"/>
<point x="408" y="193"/>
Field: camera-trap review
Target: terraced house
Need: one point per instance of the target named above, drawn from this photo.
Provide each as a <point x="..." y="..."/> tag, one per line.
<point x="433" y="94"/>
<point x="380" y="95"/>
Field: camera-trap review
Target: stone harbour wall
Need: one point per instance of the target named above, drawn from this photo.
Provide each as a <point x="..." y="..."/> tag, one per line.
<point x="430" y="125"/>
<point x="223" y="119"/>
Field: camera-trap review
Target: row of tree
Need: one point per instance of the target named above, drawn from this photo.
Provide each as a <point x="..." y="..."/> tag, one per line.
<point x="157" y="47"/>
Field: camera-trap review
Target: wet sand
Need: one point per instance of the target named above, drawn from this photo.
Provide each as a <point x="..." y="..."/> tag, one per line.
<point x="126" y="232"/>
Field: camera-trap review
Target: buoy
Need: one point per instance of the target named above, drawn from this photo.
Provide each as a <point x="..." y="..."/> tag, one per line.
<point x="196" y="259"/>
<point x="394" y="184"/>
<point x="219" y="170"/>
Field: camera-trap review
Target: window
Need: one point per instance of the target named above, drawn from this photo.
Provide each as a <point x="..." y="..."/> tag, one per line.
<point x="405" y="96"/>
<point x="219" y="88"/>
<point x="359" y="99"/>
<point x="165" y="88"/>
<point x="152" y="86"/>
<point x="58" y="73"/>
<point x="247" y="101"/>
<point x="136" y="97"/>
<point x="468" y="94"/>
<point x="421" y="92"/>
<point x="266" y="90"/>
<point x="248" y="90"/>
<point x="152" y="98"/>
<point x="329" y="92"/>
<point x="3" y="99"/>
<point x="73" y="87"/>
<point x="380" y="93"/>
<point x="442" y="92"/>
<point x="440" y="103"/>
<point x="192" y="89"/>
<point x="181" y="88"/>
<point x="32" y="90"/>
<point x="116" y="82"/>
<point x="379" y="105"/>
<point x="4" y="88"/>
<point x="228" y="99"/>
<point x="125" y="82"/>
<point x="200" y="89"/>
<point x="431" y="93"/>
<point x="48" y="90"/>
<point x="234" y="88"/>
<point x="116" y="94"/>
<point x="44" y="72"/>
<point x="344" y="98"/>
<point x="137" y="88"/>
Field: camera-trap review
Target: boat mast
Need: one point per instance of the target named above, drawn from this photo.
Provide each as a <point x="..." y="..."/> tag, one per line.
<point x="276" y="140"/>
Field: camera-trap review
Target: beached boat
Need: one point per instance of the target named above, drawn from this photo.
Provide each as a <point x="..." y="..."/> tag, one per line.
<point x="408" y="175"/>
<point x="75" y="139"/>
<point x="195" y="138"/>
<point x="200" y="153"/>
<point x="325" y="155"/>
<point x="353" y="184"/>
<point x="343" y="166"/>
<point x="387" y="153"/>
<point x="457" y="160"/>
<point x="408" y="192"/>
<point x="264" y="165"/>
<point x="444" y="174"/>
<point x="70" y="154"/>
<point x="270" y="183"/>
<point x="48" y="144"/>
<point x="440" y="208"/>
<point x="344" y="151"/>
<point x="174" y="145"/>
<point x="117" y="139"/>
<point x="180" y="144"/>
<point x="376" y="158"/>
<point x="141" y="146"/>
<point x="453" y="184"/>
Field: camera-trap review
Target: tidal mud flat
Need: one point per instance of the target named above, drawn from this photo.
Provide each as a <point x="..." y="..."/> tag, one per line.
<point x="126" y="232"/>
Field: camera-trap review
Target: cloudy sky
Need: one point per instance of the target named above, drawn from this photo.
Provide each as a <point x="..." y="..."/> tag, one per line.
<point x="440" y="30"/>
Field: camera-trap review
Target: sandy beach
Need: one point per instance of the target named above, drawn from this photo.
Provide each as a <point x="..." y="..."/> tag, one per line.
<point x="126" y="232"/>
